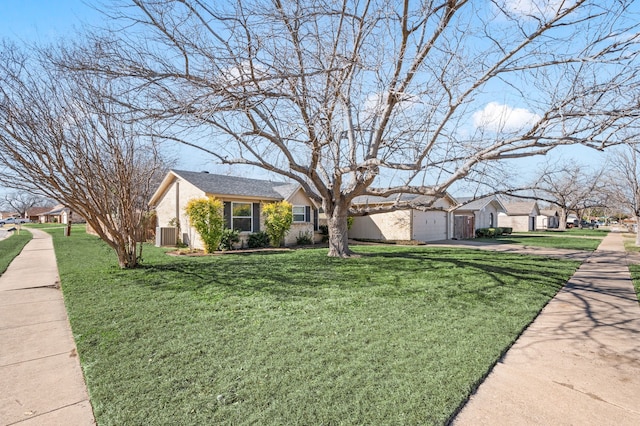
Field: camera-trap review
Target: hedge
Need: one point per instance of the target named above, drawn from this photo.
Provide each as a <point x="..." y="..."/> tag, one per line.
<point x="492" y="232"/>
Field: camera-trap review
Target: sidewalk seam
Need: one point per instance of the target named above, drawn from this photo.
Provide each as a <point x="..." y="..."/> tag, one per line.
<point x="72" y="354"/>
<point x="48" y="412"/>
<point x="32" y="324"/>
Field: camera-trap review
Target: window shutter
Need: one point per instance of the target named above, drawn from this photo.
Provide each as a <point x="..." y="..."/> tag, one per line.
<point x="256" y="217"/>
<point x="307" y="214"/>
<point x="315" y="219"/>
<point x="227" y="214"/>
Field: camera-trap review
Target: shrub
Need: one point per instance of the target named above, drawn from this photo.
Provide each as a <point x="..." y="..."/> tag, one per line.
<point x="278" y="219"/>
<point x="304" y="239"/>
<point x="507" y="231"/>
<point x="207" y="217"/>
<point x="229" y="238"/>
<point x="258" y="240"/>
<point x="489" y="232"/>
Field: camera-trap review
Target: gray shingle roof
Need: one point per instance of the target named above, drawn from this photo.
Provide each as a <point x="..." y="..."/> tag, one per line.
<point x="232" y="185"/>
<point x="522" y="208"/>
<point x="478" y="204"/>
<point x="549" y="212"/>
<point x="374" y="199"/>
<point x="414" y="199"/>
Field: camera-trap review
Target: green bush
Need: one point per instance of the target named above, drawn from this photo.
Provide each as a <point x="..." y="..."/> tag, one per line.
<point x="258" y="240"/>
<point x="304" y="239"/>
<point x="207" y="217"/>
<point x="229" y="238"/>
<point x="491" y="232"/>
<point x="278" y="218"/>
<point x="507" y="231"/>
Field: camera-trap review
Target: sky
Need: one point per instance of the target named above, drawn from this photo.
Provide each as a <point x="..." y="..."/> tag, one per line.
<point x="48" y="20"/>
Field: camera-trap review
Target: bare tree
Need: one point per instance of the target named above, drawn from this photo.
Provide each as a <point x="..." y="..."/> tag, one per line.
<point x="624" y="181"/>
<point x="21" y="202"/>
<point x="376" y="97"/>
<point x="61" y="137"/>
<point x="569" y="186"/>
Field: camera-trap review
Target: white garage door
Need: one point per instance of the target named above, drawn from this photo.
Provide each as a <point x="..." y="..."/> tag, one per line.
<point x="429" y="226"/>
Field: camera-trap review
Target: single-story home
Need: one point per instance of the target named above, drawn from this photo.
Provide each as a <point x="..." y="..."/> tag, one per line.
<point x="548" y="219"/>
<point x="35" y="214"/>
<point x="475" y="213"/>
<point x="6" y="215"/>
<point x="433" y="224"/>
<point x="520" y="216"/>
<point x="57" y="214"/>
<point x="242" y="198"/>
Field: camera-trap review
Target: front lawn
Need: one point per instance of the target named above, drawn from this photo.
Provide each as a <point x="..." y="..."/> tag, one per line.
<point x="562" y="240"/>
<point x="11" y="247"/>
<point x="401" y="335"/>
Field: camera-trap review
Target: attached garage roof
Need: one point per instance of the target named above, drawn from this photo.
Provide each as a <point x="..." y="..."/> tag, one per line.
<point x="524" y="208"/>
<point x="415" y="199"/>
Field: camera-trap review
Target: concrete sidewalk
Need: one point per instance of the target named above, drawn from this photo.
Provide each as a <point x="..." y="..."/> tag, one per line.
<point x="41" y="382"/>
<point x="579" y="361"/>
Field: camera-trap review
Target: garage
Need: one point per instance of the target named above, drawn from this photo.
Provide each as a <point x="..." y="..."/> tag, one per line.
<point x="430" y="225"/>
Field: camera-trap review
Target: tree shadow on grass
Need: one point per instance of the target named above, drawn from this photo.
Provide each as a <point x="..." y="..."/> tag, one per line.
<point x="311" y="273"/>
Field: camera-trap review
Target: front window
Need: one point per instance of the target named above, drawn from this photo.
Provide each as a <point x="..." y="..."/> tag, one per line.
<point x="490" y="220"/>
<point x="241" y="216"/>
<point x="298" y="213"/>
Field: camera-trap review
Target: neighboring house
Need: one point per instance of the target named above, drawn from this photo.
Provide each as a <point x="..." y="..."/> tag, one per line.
<point x="242" y="198"/>
<point x="520" y="216"/>
<point x="475" y="214"/>
<point x="548" y="219"/>
<point x="34" y="214"/>
<point x="572" y="220"/>
<point x="403" y="225"/>
<point x="57" y="214"/>
<point x="6" y="215"/>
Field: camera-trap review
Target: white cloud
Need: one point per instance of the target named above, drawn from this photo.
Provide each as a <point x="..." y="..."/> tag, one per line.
<point x="503" y="118"/>
<point x="538" y="8"/>
<point x="375" y="103"/>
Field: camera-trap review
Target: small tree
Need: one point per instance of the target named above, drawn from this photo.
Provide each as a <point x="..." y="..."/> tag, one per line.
<point x="206" y="216"/>
<point x="278" y="218"/>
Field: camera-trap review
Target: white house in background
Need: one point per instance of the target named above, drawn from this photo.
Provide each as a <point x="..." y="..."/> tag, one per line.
<point x="475" y="214"/>
<point x="520" y="216"/>
<point x="548" y="219"/>
<point x="404" y="225"/>
<point x="242" y="198"/>
<point x="57" y="214"/>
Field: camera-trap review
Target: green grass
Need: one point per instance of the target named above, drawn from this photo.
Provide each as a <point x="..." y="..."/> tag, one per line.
<point x="630" y="243"/>
<point x="11" y="247"/>
<point x="584" y="240"/>
<point x="585" y="232"/>
<point x="635" y="276"/>
<point x="401" y="335"/>
<point x="630" y="246"/>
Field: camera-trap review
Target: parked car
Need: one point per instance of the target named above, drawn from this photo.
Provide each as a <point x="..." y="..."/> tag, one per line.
<point x="13" y="220"/>
<point x="7" y="221"/>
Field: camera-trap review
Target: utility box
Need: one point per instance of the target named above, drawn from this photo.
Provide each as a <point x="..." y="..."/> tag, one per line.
<point x="166" y="236"/>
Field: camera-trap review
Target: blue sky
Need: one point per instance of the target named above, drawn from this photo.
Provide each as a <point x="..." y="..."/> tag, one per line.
<point x="43" y="20"/>
<point x="47" y="20"/>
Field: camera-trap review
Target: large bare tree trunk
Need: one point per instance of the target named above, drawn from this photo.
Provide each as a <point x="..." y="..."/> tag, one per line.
<point x="562" y="226"/>
<point x="338" y="230"/>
